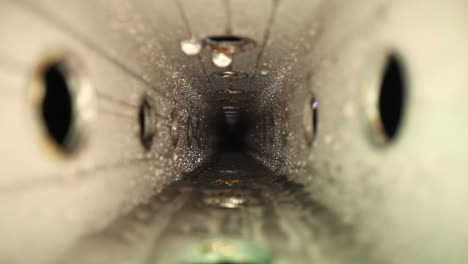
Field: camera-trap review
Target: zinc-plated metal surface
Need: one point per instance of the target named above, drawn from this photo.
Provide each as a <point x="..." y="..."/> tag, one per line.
<point x="343" y="195"/>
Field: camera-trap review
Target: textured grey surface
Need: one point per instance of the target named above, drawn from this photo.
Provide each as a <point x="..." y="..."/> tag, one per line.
<point x="402" y="203"/>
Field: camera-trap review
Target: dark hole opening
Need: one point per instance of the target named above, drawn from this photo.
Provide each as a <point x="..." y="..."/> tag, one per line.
<point x="57" y="108"/>
<point x="144" y="120"/>
<point x="392" y="97"/>
<point x="232" y="125"/>
<point x="311" y="128"/>
<point x="314" y="107"/>
<point x="225" y="38"/>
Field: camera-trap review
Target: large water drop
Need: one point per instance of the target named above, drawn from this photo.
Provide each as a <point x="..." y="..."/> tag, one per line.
<point x="221" y="60"/>
<point x="191" y="47"/>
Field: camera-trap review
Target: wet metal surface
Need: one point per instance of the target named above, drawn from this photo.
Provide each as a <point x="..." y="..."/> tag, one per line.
<point x="235" y="201"/>
<point x="88" y="208"/>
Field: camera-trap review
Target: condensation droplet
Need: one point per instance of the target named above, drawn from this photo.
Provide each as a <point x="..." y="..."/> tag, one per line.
<point x="221" y="60"/>
<point x="264" y="72"/>
<point x="174" y="132"/>
<point x="191" y="47"/>
<point x="230" y="75"/>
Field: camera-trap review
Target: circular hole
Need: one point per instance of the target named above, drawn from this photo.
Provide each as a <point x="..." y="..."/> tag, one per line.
<point x="228" y="44"/>
<point x="310" y="119"/>
<point x="391" y="98"/>
<point x="285" y="126"/>
<point x="386" y="103"/>
<point x="230" y="75"/>
<point x="57" y="104"/>
<point x="61" y="100"/>
<point x="174" y="128"/>
<point x="146" y="123"/>
<point x="189" y="131"/>
<point x="197" y="132"/>
<point x="225" y="38"/>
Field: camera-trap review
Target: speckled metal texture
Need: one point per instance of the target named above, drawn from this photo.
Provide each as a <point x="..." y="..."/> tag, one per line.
<point x="333" y="197"/>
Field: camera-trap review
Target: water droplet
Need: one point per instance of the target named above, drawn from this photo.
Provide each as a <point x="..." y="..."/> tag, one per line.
<point x="225" y="202"/>
<point x="264" y="72"/>
<point x="221" y="60"/>
<point x="191" y="47"/>
<point x="174" y="132"/>
<point x="230" y="75"/>
<point x="229" y="182"/>
<point x="227" y="251"/>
